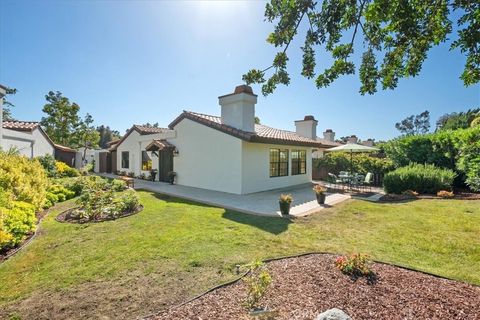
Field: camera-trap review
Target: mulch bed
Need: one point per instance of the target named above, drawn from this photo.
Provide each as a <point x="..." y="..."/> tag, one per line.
<point x="67" y="218"/>
<point x="305" y="286"/>
<point x="463" y="195"/>
<point x="7" y="253"/>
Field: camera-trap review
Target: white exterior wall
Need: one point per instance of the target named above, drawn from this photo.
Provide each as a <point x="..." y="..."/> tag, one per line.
<point x="207" y="158"/>
<point x="135" y="143"/>
<point x="256" y="168"/>
<point x="30" y="144"/>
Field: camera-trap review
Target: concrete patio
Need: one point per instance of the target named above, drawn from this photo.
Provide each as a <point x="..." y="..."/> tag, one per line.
<point x="260" y="203"/>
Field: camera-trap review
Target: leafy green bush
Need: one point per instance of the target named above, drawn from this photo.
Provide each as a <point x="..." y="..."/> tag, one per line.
<point x="118" y="185"/>
<point x="458" y="150"/>
<point x="95" y="202"/>
<point x="48" y="163"/>
<point x="128" y="201"/>
<point x="24" y="178"/>
<point x="362" y="163"/>
<point x="420" y="178"/>
<point x="63" y="170"/>
<point x="355" y="265"/>
<point x="16" y="221"/>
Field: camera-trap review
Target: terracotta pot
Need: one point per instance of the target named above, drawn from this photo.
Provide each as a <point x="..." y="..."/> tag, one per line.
<point x="284" y="208"/>
<point x="321" y="198"/>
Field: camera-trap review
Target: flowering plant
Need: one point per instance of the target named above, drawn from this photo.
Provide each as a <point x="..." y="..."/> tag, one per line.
<point x="355" y="265"/>
<point x="318" y="189"/>
<point x="285" y="198"/>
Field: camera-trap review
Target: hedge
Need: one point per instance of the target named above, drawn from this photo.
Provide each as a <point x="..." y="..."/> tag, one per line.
<point x="420" y="178"/>
<point x="458" y="150"/>
<point x="362" y="163"/>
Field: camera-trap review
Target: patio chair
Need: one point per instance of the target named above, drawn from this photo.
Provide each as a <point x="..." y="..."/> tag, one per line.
<point x="368" y="181"/>
<point x="336" y="180"/>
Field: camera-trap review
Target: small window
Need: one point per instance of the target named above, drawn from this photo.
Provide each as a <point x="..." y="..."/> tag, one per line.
<point x="146" y="161"/>
<point x="125" y="159"/>
<point x="299" y="162"/>
<point x="278" y="162"/>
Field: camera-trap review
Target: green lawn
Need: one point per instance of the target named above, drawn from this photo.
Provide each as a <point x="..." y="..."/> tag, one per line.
<point x="175" y="249"/>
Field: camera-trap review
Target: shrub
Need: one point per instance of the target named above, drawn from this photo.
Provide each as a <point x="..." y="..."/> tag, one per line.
<point x="355" y="265"/>
<point x="421" y="178"/>
<point x="258" y="280"/>
<point x="63" y="170"/>
<point x="24" y="178"/>
<point x="16" y="221"/>
<point x="128" y="201"/>
<point x="48" y="163"/>
<point x="95" y="202"/>
<point x="445" y="194"/>
<point x="118" y="185"/>
<point x="475" y="122"/>
<point x="318" y="189"/>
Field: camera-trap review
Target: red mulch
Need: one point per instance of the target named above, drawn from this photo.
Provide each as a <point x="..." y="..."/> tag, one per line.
<point x="305" y="286"/>
<point x="464" y="195"/>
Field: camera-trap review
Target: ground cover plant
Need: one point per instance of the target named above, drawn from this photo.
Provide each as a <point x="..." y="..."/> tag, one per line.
<point x="176" y="249"/>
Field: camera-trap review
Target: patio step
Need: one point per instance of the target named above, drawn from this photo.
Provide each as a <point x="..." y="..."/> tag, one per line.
<point x="309" y="207"/>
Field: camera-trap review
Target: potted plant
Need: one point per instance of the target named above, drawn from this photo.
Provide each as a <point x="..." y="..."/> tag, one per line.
<point x="285" y="201"/>
<point x="320" y="193"/>
<point x="171" y="176"/>
<point x="153" y="174"/>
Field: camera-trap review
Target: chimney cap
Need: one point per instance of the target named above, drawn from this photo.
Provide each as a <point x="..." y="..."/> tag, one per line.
<point x="243" y="89"/>
<point x="353" y="136"/>
<point x="329" y="130"/>
<point x="309" y="117"/>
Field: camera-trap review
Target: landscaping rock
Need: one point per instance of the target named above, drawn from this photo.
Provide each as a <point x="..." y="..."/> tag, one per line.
<point x="333" y="314"/>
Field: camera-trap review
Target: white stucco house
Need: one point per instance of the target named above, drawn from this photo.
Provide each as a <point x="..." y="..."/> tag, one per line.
<point x="27" y="137"/>
<point x="228" y="153"/>
<point x="130" y="154"/>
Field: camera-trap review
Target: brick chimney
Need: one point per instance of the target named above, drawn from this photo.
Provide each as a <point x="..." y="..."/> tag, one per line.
<point x="352" y="139"/>
<point x="238" y="108"/>
<point x="329" y="135"/>
<point x="368" y="143"/>
<point x="307" y="127"/>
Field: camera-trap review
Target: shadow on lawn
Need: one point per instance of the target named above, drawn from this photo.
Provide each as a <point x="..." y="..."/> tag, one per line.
<point x="273" y="225"/>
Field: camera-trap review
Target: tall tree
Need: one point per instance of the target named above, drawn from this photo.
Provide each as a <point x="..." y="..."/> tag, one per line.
<point x="107" y="135"/>
<point x="61" y="120"/>
<point x="86" y="135"/>
<point x="7" y="105"/>
<point x="457" y="120"/>
<point x="415" y="124"/>
<point x="396" y="36"/>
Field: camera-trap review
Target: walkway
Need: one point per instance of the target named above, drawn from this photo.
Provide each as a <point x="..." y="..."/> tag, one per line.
<point x="260" y="203"/>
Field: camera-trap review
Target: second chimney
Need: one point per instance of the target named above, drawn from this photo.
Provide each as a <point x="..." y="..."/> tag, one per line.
<point x="329" y="135"/>
<point x="307" y="127"/>
<point x="238" y="108"/>
<point x="352" y="139"/>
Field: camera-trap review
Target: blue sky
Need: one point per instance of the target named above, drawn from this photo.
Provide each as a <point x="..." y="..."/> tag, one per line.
<point x="129" y="62"/>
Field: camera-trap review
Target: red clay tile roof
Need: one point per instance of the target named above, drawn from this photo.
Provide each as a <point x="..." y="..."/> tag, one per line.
<point x="159" y="145"/>
<point x="143" y="130"/>
<point x="262" y="134"/>
<point x="148" y="130"/>
<point x="20" y="125"/>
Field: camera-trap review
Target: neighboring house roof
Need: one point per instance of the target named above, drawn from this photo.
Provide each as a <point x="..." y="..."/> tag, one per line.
<point x="64" y="148"/>
<point x="142" y="130"/>
<point x="159" y="145"/>
<point x="328" y="142"/>
<point x="262" y="134"/>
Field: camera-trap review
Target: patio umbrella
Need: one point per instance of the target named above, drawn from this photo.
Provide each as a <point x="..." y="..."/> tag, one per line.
<point x="352" y="147"/>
